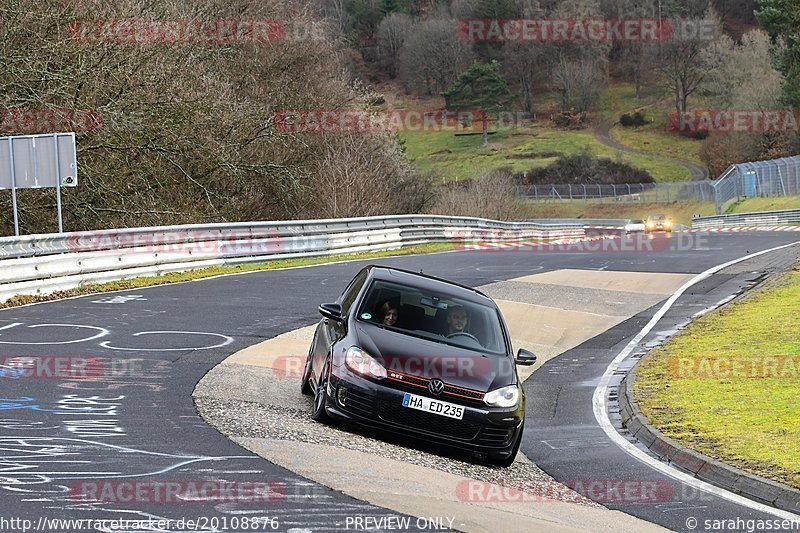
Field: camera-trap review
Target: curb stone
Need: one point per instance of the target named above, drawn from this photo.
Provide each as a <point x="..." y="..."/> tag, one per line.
<point x="701" y="466"/>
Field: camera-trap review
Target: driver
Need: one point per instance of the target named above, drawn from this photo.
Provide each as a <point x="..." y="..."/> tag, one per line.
<point x="457" y="320"/>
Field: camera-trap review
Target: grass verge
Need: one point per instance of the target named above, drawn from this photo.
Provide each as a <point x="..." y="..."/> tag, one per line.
<point x="191" y="275"/>
<point x="755" y="205"/>
<point x="680" y="212"/>
<point x="728" y="385"/>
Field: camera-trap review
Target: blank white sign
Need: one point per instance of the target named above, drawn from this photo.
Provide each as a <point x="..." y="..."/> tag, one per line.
<point x="39" y="161"/>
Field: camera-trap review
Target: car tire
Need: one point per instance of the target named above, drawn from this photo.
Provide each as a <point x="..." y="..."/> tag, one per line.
<point x="318" y="411"/>
<point x="505" y="462"/>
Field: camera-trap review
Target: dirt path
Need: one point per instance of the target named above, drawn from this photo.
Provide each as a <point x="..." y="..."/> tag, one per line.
<point x="602" y="132"/>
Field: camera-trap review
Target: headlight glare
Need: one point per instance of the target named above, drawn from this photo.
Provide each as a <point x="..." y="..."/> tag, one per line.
<point x="505" y="397"/>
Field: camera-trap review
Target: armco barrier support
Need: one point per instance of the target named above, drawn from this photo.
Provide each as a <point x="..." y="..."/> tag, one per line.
<point x="43" y="264"/>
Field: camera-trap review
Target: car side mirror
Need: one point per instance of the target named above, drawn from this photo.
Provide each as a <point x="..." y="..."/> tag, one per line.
<point x="525" y="358"/>
<point x="332" y="311"/>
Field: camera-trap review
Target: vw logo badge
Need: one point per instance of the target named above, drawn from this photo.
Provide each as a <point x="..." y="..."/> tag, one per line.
<point x="436" y="386"/>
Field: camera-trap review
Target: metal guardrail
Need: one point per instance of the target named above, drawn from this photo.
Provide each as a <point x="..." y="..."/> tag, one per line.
<point x="43" y="264"/>
<point x="768" y="218"/>
<point x="583" y="222"/>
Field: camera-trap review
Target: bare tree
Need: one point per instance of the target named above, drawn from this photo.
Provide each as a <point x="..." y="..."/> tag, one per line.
<point x="392" y="33"/>
<point x="433" y="56"/>
<point x="685" y="63"/>
<point x="579" y="83"/>
<point x="189" y="133"/>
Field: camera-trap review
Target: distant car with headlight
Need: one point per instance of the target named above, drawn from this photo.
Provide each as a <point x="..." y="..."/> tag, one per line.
<point x="421" y="356"/>
<point x="635" y="226"/>
<point x="658" y="223"/>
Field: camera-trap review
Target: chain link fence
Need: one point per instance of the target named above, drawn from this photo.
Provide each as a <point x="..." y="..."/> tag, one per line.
<point x="693" y="191"/>
<point x="775" y="177"/>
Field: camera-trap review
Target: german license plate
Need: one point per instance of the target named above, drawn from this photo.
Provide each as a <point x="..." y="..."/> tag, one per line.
<point x="429" y="405"/>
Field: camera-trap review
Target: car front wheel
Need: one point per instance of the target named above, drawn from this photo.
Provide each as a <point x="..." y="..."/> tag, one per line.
<point x="318" y="411"/>
<point x="305" y="381"/>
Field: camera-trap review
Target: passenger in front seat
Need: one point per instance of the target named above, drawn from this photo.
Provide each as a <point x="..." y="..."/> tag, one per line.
<point x="389" y="313"/>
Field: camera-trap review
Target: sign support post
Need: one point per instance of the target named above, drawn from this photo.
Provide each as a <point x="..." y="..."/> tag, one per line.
<point x="13" y="187"/>
<point x="58" y="184"/>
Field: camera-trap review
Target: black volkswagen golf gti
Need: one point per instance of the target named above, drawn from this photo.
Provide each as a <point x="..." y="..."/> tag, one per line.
<point x="422" y="356"/>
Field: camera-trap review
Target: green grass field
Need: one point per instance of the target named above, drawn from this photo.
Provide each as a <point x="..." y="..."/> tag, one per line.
<point x="749" y="418"/>
<point x="453" y="158"/>
<point x="621" y="98"/>
<point x="653" y="140"/>
<point x="653" y="137"/>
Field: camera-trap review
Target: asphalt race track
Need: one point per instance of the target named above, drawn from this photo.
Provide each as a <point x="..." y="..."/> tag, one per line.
<point x="132" y="422"/>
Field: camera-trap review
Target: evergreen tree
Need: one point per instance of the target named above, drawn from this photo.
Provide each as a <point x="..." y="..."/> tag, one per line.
<point x="481" y="87"/>
<point x="781" y="18"/>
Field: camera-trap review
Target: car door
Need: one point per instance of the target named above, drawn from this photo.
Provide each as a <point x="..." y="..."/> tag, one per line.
<point x="330" y="331"/>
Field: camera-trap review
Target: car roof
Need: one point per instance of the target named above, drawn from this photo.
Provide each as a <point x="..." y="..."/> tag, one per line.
<point x="426" y="282"/>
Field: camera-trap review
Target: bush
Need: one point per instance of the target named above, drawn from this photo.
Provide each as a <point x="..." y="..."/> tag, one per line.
<point x="492" y="196"/>
<point x="631" y="121"/>
<point x="569" y="120"/>
<point x="697" y="135"/>
<point x="585" y="168"/>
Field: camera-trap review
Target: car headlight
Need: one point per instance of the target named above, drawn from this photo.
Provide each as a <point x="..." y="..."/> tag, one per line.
<point x="505" y="397"/>
<point x="363" y="364"/>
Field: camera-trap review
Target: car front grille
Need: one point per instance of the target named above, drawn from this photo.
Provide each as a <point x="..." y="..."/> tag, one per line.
<point x="439" y="425"/>
<point x="411" y="383"/>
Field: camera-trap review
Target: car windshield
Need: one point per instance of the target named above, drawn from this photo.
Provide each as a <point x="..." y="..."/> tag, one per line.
<point x="437" y="317"/>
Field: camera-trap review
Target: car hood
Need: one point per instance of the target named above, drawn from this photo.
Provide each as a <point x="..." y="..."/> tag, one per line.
<point x="428" y="359"/>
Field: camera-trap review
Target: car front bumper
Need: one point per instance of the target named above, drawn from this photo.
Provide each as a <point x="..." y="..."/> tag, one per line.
<point x="491" y="431"/>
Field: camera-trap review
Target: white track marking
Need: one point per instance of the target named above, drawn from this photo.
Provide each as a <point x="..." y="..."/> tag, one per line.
<point x="103" y="333"/>
<point x="600" y="406"/>
<point x="226" y="340"/>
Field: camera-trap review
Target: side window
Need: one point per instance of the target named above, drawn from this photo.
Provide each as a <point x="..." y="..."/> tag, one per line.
<point x="351" y="292"/>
